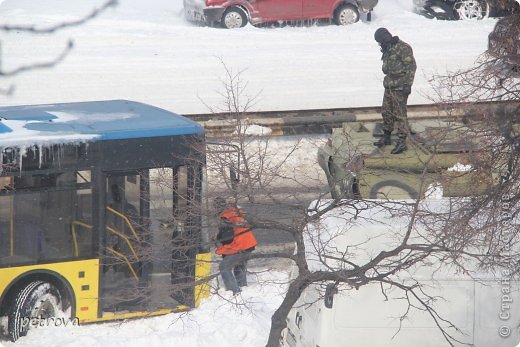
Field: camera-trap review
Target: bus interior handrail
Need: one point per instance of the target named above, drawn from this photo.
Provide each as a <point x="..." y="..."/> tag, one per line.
<point x="124" y="237"/>
<point x="125" y="258"/>
<point x="117" y="213"/>
<point x="74" y="235"/>
<point x="112" y="230"/>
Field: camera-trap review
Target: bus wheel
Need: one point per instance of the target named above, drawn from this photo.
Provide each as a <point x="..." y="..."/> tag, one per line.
<point x="35" y="301"/>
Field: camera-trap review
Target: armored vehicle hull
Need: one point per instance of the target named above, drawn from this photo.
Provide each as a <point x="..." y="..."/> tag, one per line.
<point x="444" y="158"/>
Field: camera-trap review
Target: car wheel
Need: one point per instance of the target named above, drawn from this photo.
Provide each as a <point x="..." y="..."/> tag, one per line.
<point x="234" y="18"/>
<point x="35" y="300"/>
<point x="472" y="9"/>
<point x="346" y="14"/>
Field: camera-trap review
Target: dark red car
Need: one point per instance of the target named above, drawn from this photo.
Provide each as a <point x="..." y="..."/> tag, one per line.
<point x="236" y="13"/>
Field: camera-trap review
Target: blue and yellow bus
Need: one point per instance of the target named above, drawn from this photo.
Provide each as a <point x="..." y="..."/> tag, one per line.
<point x="100" y="212"/>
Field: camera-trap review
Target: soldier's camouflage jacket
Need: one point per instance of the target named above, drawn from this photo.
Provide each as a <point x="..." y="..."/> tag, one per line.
<point x="398" y="65"/>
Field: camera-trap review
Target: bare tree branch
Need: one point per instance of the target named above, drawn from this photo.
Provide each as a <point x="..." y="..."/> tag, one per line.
<point x="48" y="30"/>
<point x="42" y="65"/>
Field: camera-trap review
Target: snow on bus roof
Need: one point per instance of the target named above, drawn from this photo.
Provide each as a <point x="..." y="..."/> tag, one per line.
<point x="89" y="121"/>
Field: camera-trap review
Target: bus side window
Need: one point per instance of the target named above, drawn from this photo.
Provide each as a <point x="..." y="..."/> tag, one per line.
<point x="49" y="219"/>
<point x="5" y="213"/>
<point x="5" y="227"/>
<point x="81" y="226"/>
<point x="27" y="234"/>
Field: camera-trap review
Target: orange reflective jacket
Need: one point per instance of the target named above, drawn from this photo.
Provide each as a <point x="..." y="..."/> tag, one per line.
<point x="243" y="236"/>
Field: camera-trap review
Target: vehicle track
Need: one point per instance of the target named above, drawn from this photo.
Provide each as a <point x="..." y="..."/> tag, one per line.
<point x="321" y="121"/>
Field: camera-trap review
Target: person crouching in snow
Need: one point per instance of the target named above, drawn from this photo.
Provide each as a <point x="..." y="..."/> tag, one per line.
<point x="237" y="241"/>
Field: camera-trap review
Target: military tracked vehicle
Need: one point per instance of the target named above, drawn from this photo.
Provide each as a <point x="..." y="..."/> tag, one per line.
<point x="444" y="158"/>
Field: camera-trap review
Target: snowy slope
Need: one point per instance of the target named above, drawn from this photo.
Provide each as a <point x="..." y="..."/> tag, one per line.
<point x="145" y="51"/>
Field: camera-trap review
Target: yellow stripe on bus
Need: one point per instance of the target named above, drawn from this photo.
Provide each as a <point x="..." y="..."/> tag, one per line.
<point x="82" y="275"/>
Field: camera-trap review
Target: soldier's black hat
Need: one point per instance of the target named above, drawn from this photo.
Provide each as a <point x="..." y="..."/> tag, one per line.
<point x="382" y="35"/>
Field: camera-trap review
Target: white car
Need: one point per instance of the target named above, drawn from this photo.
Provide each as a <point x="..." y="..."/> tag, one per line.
<point x="484" y="306"/>
<point x="463" y="9"/>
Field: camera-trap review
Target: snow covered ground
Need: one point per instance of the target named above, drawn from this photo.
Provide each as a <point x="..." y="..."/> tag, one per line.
<point x="145" y="51"/>
<point x="221" y="321"/>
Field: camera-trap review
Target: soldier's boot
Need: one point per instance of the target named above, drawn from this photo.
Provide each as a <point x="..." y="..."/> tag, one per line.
<point x="400" y="147"/>
<point x="384" y="140"/>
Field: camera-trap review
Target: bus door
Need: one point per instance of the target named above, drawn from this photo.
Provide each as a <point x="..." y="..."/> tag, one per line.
<point x="125" y="242"/>
<point x="152" y="237"/>
<point x="175" y="234"/>
<point x="186" y="232"/>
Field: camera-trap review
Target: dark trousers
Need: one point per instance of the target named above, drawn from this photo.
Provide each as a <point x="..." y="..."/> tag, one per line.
<point x="394" y="112"/>
<point x="233" y="269"/>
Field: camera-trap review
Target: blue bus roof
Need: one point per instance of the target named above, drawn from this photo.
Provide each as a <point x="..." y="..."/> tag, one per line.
<point x="89" y="121"/>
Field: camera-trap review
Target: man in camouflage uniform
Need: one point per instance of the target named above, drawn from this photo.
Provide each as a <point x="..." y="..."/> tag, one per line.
<point x="399" y="69"/>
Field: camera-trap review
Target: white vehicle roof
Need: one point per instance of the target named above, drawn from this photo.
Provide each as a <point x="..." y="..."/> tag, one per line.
<point x="360" y="231"/>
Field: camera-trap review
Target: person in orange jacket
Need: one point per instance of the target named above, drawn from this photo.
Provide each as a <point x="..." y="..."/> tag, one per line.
<point x="237" y="240"/>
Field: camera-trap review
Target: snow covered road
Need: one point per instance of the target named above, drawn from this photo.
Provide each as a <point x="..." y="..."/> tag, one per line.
<point x="145" y="51"/>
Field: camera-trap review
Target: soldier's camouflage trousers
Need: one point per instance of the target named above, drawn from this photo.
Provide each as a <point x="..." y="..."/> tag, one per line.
<point x="394" y="112"/>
